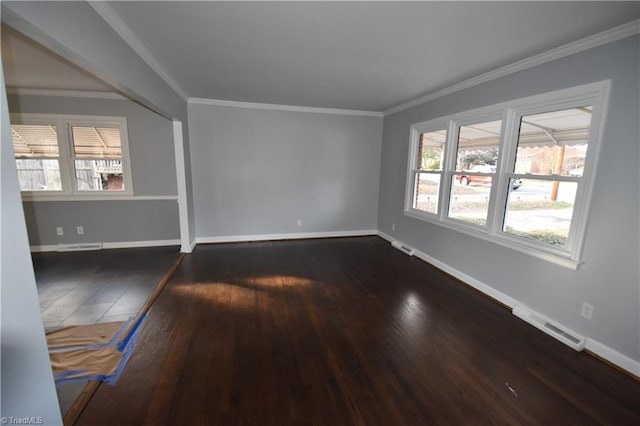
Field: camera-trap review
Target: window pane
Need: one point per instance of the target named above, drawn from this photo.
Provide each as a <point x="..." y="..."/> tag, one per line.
<point x="431" y="150"/>
<point x="99" y="175"/>
<point x="554" y="142"/>
<point x="427" y="187"/>
<point x="470" y="202"/>
<point x="34" y="141"/>
<point x="478" y="145"/>
<point x="96" y="142"/>
<point x="39" y="175"/>
<point x="541" y="210"/>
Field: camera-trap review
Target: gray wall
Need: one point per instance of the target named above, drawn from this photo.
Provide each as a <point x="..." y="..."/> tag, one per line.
<point x="609" y="278"/>
<point x="258" y="171"/>
<point x="26" y="379"/>
<point x="96" y="48"/>
<point x="153" y="169"/>
<point x="103" y="221"/>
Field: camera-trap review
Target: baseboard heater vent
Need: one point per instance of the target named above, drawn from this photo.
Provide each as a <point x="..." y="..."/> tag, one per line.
<point x="79" y="247"/>
<point x="568" y="337"/>
<point x="405" y="249"/>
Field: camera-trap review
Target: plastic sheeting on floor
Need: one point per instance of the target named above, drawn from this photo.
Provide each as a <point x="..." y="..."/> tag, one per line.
<point x="92" y="352"/>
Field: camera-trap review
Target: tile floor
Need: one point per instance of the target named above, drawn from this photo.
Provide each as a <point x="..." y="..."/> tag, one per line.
<point x="97" y="286"/>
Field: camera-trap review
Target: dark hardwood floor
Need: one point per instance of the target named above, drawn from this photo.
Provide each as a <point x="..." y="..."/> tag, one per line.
<point x="347" y="331"/>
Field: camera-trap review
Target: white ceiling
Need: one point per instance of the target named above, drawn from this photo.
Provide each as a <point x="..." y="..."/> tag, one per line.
<point x="351" y="55"/>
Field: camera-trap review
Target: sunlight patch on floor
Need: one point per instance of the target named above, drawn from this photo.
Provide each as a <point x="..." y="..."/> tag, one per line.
<point x="274" y="281"/>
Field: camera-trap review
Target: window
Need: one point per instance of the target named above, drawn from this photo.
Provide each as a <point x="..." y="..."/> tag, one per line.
<point x="519" y="173"/>
<point x="475" y="165"/>
<point x="37" y="156"/>
<point x="71" y="155"/>
<point x="427" y="173"/>
<point x="550" y="155"/>
<point x="97" y="157"/>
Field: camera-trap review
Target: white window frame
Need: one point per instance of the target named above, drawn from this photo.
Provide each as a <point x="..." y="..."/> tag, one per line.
<point x="595" y="94"/>
<point x="63" y="123"/>
<point x="412" y="172"/>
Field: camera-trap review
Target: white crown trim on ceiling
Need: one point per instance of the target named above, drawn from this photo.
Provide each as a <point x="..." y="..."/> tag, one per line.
<point x="276" y="107"/>
<point x="65" y="93"/>
<point x="595" y="40"/>
<point x="113" y="19"/>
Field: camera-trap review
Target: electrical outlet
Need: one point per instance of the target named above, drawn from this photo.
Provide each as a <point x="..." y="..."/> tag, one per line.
<point x="299" y="222"/>
<point x="393" y="226"/>
<point x="60" y="231"/>
<point x="80" y="230"/>
<point x="587" y="310"/>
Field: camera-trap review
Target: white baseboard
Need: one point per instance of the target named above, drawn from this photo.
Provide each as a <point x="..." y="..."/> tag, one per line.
<point x="114" y="245"/>
<point x="569" y="337"/>
<point x="467" y="279"/>
<point x="44" y="248"/>
<point x="189" y="247"/>
<point x="134" y="244"/>
<point x="630" y="365"/>
<point x="80" y="247"/>
<point x="292" y="236"/>
<point x="603" y="351"/>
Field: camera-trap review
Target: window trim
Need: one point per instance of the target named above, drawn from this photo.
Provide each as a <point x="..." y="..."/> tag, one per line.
<point x="66" y="156"/>
<point x="595" y="94"/>
<point x="481" y="116"/>
<point x="416" y="131"/>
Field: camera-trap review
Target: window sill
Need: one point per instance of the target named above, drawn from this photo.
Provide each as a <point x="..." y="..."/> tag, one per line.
<point x="31" y="197"/>
<point x="547" y="255"/>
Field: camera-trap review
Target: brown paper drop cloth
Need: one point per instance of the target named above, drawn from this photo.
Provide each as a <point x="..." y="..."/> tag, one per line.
<point x="83" y="335"/>
<point x="89" y="362"/>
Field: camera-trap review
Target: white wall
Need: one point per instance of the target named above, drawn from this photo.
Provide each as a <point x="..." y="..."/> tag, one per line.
<point x="257" y="171"/>
<point x="609" y="278"/>
<point x="154" y="174"/>
<point x="27" y="387"/>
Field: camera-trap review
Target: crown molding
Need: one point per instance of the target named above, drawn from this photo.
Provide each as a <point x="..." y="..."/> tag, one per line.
<point x="276" y="107"/>
<point x="122" y="29"/>
<point x="617" y="33"/>
<point x="65" y="93"/>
